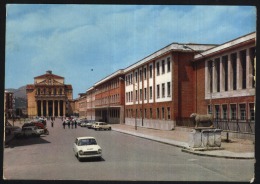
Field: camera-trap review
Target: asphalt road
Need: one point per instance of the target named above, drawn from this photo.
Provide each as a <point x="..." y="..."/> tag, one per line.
<point x="125" y="157"/>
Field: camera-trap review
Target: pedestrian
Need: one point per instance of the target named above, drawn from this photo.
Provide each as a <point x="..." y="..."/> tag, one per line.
<point x="75" y="124"/>
<point x="52" y="123"/>
<point x="69" y="124"/>
<point x="63" y="124"/>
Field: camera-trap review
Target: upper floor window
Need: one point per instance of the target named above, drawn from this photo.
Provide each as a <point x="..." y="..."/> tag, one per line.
<point x="158" y="68"/>
<point x="144" y="73"/>
<point x="168" y="65"/>
<point x="163" y="66"/>
<point x="151" y="71"/>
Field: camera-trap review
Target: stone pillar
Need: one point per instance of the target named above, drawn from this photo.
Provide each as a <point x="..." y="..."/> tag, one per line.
<point x="41" y="107"/>
<point x="222" y="75"/>
<point x="47" y="107"/>
<point x="230" y="74"/>
<point x="58" y="108"/>
<point x="249" y="70"/>
<point x="239" y="71"/>
<point x="53" y="108"/>
<point x="64" y="109"/>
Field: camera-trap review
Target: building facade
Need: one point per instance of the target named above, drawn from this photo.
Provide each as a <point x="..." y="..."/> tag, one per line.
<point x="49" y="96"/>
<point x="226" y="84"/>
<point x="160" y="88"/>
<point x="109" y="98"/>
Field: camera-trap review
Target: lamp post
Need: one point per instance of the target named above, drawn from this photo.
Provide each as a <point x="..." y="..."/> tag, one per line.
<point x="120" y="78"/>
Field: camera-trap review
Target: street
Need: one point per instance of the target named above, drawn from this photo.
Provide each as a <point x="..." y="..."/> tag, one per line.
<point x="125" y="157"/>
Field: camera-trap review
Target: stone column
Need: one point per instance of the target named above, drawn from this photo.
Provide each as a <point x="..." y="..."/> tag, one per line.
<point x="230" y="74"/>
<point x="249" y="70"/>
<point x="47" y="107"/>
<point x="58" y="107"/>
<point x="53" y="108"/>
<point x="222" y="75"/>
<point x="64" y="109"/>
<point x="41" y="107"/>
<point x="239" y="72"/>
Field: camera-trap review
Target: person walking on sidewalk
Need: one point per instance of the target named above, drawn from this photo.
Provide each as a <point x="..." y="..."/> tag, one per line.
<point x="52" y="122"/>
<point x="75" y="123"/>
<point x="63" y="124"/>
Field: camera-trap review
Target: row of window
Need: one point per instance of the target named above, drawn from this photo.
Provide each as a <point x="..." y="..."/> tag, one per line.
<point x="161" y="92"/>
<point x="161" y="113"/>
<point x="234" y="111"/>
<point x="49" y="91"/>
<point x="113" y="113"/>
<point x="218" y="68"/>
<point x="108" y="100"/>
<point x="161" y="68"/>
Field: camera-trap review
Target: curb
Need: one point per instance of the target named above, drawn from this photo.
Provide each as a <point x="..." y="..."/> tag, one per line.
<point x="182" y="145"/>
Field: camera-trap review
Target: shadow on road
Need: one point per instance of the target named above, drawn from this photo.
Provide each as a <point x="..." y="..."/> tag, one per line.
<point x="92" y="160"/>
<point x="26" y="141"/>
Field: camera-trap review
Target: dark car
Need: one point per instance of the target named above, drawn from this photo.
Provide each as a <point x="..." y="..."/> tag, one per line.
<point x="33" y="123"/>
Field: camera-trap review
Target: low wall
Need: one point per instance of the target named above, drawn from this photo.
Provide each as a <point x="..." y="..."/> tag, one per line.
<point x="150" y="123"/>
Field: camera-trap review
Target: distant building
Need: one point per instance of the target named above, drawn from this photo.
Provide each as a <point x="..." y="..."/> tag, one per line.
<point x="9" y="104"/>
<point x="49" y="96"/>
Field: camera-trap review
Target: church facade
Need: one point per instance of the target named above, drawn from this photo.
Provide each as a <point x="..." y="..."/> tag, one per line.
<point x="49" y="96"/>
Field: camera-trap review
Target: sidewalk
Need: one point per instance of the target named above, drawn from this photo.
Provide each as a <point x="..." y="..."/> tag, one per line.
<point x="236" y="149"/>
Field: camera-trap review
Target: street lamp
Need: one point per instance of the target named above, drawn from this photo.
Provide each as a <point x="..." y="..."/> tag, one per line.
<point x="120" y="78"/>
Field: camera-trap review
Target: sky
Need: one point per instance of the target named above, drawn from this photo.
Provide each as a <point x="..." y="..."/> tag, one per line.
<point x="86" y="43"/>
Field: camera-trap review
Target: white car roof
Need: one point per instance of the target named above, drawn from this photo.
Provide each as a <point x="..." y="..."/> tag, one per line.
<point x="85" y="138"/>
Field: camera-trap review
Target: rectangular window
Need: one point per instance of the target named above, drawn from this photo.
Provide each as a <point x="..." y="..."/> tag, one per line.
<point x="144" y="73"/>
<point x="151" y="92"/>
<point x="136" y="95"/>
<point x="234" y="69"/>
<point x="168" y="89"/>
<point x="158" y="91"/>
<point x="242" y="108"/>
<point x="243" y="66"/>
<point x="224" y="112"/>
<point x="233" y="112"/>
<point x="210" y="72"/>
<point x="158" y="68"/>
<point x="217" y="66"/>
<point x="140" y="74"/>
<point x="145" y="93"/>
<point x="168" y="113"/>
<point x="131" y="98"/>
<point x="163" y="66"/>
<point x="158" y="113"/>
<point x="151" y="113"/>
<point x="136" y="77"/>
<point x="141" y="94"/>
<point x="209" y="109"/>
<point x="145" y="113"/>
<point x="217" y="112"/>
<point x="163" y="90"/>
<point x="252" y="112"/>
<point x="168" y="65"/>
<point x="163" y="113"/>
<point x="151" y="71"/>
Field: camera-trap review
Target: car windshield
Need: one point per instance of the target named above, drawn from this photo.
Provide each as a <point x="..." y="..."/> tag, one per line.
<point x="84" y="142"/>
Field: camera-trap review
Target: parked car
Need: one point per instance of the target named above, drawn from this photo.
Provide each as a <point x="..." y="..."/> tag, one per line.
<point x="90" y="123"/>
<point x="86" y="147"/>
<point x="30" y="131"/>
<point x="84" y="123"/>
<point x="102" y="126"/>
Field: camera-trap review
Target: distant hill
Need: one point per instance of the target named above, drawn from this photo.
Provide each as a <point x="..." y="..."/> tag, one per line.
<point x="20" y="97"/>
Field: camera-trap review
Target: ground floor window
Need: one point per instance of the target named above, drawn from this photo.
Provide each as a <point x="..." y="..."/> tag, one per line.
<point x="224" y="112"/>
<point x="233" y="111"/>
<point x="168" y="112"/>
<point x="242" y="111"/>
<point x="252" y="111"/>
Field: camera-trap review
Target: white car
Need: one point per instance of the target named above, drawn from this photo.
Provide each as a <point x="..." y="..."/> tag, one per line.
<point x="101" y="126"/>
<point x="28" y="131"/>
<point x="86" y="147"/>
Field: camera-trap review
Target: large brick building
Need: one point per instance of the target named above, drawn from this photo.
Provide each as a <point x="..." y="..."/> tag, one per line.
<point x="49" y="96"/>
<point x="225" y="84"/>
<point x="163" y="89"/>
